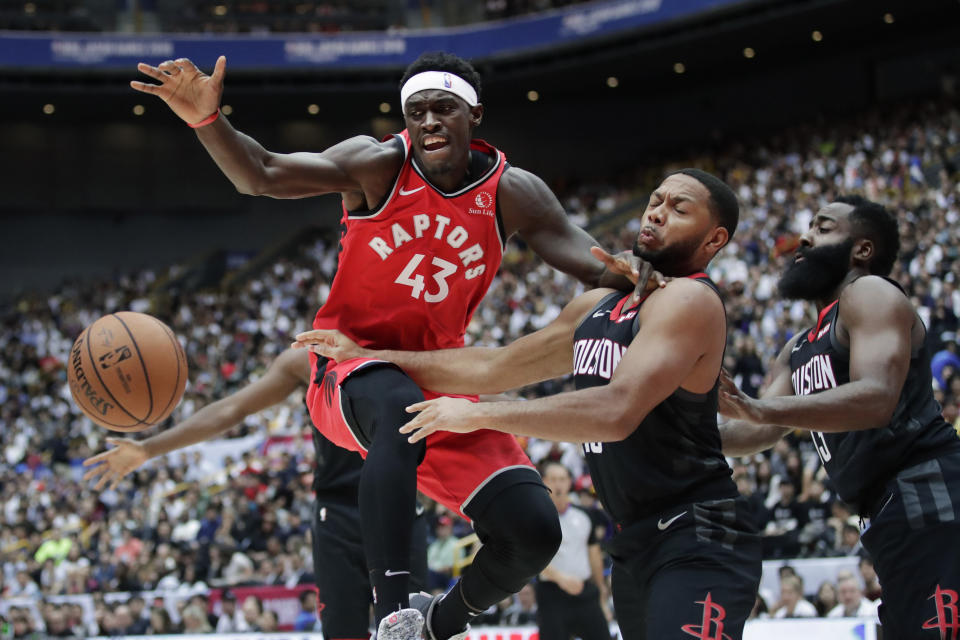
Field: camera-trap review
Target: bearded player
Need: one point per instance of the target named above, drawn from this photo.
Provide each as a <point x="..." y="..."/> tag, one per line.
<point x="860" y="382"/>
<point x="426" y="215"/>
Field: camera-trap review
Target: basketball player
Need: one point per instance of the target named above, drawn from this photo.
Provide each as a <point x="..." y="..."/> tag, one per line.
<point x="426" y="214"/>
<point x="570" y="589"/>
<point x="340" y="569"/>
<point x="686" y="555"/>
<point x="860" y="382"/>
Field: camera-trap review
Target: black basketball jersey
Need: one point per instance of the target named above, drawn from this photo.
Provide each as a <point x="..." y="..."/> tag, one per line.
<point x="674" y="455"/>
<point x="861" y="462"/>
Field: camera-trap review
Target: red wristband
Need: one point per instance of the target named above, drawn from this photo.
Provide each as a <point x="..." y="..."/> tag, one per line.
<point x="213" y="116"/>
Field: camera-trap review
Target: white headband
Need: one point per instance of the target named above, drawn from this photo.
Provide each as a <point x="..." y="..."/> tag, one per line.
<point x="438" y="80"/>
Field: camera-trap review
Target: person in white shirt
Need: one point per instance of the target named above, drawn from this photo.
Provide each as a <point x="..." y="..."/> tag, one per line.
<point x="792" y="603"/>
<point x="852" y="603"/>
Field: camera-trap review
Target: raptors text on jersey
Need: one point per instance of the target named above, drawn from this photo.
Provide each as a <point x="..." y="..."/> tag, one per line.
<point x="412" y="272"/>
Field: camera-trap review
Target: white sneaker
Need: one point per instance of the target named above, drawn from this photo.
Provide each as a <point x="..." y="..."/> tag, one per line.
<point x="405" y="624"/>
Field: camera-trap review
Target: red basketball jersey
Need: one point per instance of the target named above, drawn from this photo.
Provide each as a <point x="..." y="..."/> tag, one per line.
<point x="411" y="274"/>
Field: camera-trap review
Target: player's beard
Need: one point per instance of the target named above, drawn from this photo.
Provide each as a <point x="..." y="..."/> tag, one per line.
<point x="818" y="275"/>
<point x="672" y="260"/>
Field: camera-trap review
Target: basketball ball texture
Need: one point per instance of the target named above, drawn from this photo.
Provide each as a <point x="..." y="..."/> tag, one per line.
<point x="127" y="371"/>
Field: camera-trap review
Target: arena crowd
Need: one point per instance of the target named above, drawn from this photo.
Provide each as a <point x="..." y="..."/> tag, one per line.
<point x="184" y="524"/>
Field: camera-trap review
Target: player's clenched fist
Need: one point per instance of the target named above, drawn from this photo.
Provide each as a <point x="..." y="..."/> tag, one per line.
<point x="190" y="93"/>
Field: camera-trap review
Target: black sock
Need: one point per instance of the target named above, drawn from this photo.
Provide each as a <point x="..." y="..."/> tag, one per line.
<point x="451" y="614"/>
<point x="391" y="593"/>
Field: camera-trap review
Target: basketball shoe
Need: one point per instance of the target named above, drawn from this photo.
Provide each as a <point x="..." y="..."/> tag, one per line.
<point x="405" y="624"/>
<point x="425" y="603"/>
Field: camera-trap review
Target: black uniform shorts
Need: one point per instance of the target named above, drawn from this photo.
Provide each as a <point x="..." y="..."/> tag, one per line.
<point x="914" y="539"/>
<point x="692" y="570"/>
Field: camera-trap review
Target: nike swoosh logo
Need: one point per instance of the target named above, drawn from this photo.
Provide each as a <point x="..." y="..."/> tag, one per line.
<point x="600" y="314"/>
<point x="390" y="574"/>
<point x="796" y="347"/>
<point x="663" y="525"/>
<point x="406" y="193"/>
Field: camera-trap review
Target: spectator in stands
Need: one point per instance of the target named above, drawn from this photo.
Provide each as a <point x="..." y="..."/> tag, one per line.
<point x="440" y="555"/>
<point x="195" y="620"/>
<point x="139" y="620"/>
<point x="792" y="602"/>
<point x="160" y="623"/>
<point x="524" y="610"/>
<point x="23" y="628"/>
<point x="251" y="610"/>
<point x="230" y="621"/>
<point x="268" y="621"/>
<point x="24" y="585"/>
<point x="826" y="598"/>
<point x="945" y="361"/>
<point x="816" y="537"/>
<point x="56" y="624"/>
<point x="781" y="534"/>
<point x="871" y="589"/>
<point x="307" y="618"/>
<point x="850" y="540"/>
<point x="129" y="550"/>
<point x="852" y="603"/>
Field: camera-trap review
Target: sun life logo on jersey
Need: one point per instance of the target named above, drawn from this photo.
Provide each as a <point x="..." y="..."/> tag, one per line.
<point x="485" y="201"/>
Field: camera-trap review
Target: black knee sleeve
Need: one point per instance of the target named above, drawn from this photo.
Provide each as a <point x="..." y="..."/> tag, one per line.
<point x="520" y="530"/>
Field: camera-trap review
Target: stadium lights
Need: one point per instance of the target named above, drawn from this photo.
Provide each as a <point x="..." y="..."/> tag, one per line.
<point x="817" y="36"/>
<point x="533" y="96"/>
<point x="138" y="109"/>
<point x="220" y="10"/>
<point x="49" y="109"/>
<point x="613" y="82"/>
<point x="748" y="52"/>
<point x="679" y="67"/>
<point x="226" y="109"/>
<point x="888" y="18"/>
<point x="384" y="107"/>
<point x="29" y="8"/>
<point x="313" y="109"/>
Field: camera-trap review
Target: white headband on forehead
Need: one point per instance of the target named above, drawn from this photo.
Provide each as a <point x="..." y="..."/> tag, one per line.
<point x="442" y="80"/>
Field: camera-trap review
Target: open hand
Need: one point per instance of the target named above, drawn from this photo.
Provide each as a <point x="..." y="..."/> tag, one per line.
<point x="329" y="343"/>
<point x="734" y="403"/>
<point x="440" y="414"/>
<point x="637" y="270"/>
<point x="114" y="464"/>
<point x="189" y="92"/>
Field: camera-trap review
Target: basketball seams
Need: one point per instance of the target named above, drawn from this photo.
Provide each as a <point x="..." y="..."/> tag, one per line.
<point x="156" y="379"/>
<point x="181" y="358"/>
<point x="143" y="365"/>
<point x="106" y="389"/>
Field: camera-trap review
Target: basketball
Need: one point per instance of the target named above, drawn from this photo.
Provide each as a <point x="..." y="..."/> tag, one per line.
<point x="127" y="371"/>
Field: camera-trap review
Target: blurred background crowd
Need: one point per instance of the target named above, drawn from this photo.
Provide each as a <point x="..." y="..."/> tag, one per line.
<point x="185" y="524"/>
<point x="257" y="16"/>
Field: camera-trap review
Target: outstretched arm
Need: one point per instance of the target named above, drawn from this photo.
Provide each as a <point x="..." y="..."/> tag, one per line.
<point x="879" y="320"/>
<point x="359" y="164"/>
<point x="740" y="436"/>
<point x="530" y="209"/>
<point x="290" y="371"/>
<point x="542" y="355"/>
<point x="676" y="331"/>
